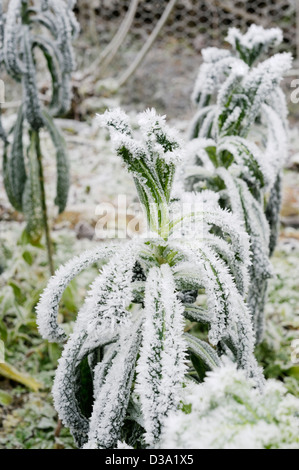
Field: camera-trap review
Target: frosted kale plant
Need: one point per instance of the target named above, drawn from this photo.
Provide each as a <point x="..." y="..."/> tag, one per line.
<point x="240" y="143"/>
<point x="123" y="367"/>
<point x="226" y="412"/>
<point x="48" y="26"/>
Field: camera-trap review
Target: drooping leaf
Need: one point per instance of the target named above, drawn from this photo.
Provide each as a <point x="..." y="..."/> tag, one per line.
<point x="63" y="177"/>
<point x="11" y="373"/>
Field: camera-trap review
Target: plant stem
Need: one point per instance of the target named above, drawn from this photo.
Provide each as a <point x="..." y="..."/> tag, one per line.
<point x="44" y="205"/>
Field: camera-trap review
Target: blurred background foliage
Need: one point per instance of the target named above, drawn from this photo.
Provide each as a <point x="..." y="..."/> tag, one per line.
<point x="164" y="80"/>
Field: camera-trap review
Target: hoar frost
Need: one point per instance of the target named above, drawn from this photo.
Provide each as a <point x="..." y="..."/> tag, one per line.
<point x="227" y="412"/>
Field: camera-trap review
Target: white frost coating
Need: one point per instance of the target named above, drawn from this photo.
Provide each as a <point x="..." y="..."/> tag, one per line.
<point x="152" y="123"/>
<point x="257" y="227"/>
<point x="232" y="191"/>
<point x="101" y="369"/>
<point x="218" y="284"/>
<point x="55" y="16"/>
<point x="213" y="54"/>
<point x="136" y="149"/>
<point x="223" y="75"/>
<point x="230" y="317"/>
<point x="277" y="147"/>
<point x="202" y="122"/>
<point x="116" y="118"/>
<point x="261" y="80"/>
<point x="47" y="308"/>
<point x="106" y="320"/>
<point x="238" y="268"/>
<point x="65" y="386"/>
<point x="112" y="400"/>
<point x="234" y="116"/>
<point x="232" y="243"/>
<point x="161" y="366"/>
<point x="159" y="140"/>
<point x="278" y="102"/>
<point x="67" y="27"/>
<point x="250" y="169"/>
<point x="227" y="412"/>
<point x="260" y="269"/>
<point x="249" y="211"/>
<point x="196" y="151"/>
<point x="123" y="445"/>
<point x="10" y="45"/>
<point x="237" y="74"/>
<point x="110" y="294"/>
<point x="206" y="213"/>
<point x="249" y="159"/>
<point x="211" y="75"/>
<point x="103" y="315"/>
<point x="256" y="36"/>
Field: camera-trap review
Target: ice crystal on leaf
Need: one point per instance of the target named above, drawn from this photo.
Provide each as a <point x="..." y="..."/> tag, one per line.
<point x="129" y="334"/>
<point x="226" y="412"/>
<point x="254" y="42"/>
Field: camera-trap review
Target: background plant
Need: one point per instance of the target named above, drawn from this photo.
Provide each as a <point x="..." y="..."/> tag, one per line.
<point x="239" y="143"/>
<point x="50" y="28"/>
<point x="128" y="342"/>
<point x="226" y="412"/>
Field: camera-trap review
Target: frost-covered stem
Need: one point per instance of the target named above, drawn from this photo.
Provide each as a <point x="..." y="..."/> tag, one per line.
<point x="43" y="202"/>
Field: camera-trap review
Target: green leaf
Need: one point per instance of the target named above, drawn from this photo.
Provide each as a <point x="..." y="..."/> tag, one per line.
<point x="203" y="351"/>
<point x="54" y="351"/>
<point x="19" y="295"/>
<point x="198" y="314"/>
<point x="51" y="53"/>
<point x="32" y="194"/>
<point x="63" y="179"/>
<point x="5" y="398"/>
<point x="200" y="366"/>
<point x="11" y="373"/>
<point x="14" y="165"/>
<point x="46" y="423"/>
<point x="3" y="331"/>
<point x="293" y="372"/>
<point x="2" y="351"/>
<point x="32" y="106"/>
<point x="27" y="256"/>
<point x="246" y="155"/>
<point x="25" y="239"/>
<point x="84" y="393"/>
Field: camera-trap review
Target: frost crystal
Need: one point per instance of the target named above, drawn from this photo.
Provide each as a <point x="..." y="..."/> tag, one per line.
<point x="226" y="412"/>
<point x="254" y="42"/>
<point x="161" y="367"/>
<point x="50" y="27"/>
